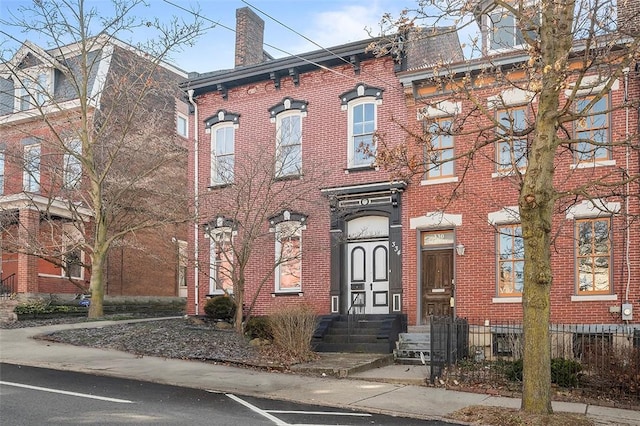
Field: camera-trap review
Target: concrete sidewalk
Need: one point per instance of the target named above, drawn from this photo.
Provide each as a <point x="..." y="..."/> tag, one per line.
<point x="384" y="389"/>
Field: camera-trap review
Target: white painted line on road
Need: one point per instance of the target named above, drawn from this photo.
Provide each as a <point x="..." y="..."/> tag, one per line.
<point x="320" y="413"/>
<point x="257" y="410"/>
<point x="63" y="392"/>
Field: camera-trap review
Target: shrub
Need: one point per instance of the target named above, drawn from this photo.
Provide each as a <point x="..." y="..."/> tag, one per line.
<point x="258" y="327"/>
<point x="293" y="329"/>
<point x="220" y="308"/>
<point x="564" y="372"/>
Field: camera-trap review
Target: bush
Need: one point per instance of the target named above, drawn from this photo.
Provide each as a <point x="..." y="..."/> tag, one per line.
<point x="258" y="327"/>
<point x="293" y="330"/>
<point x="564" y="372"/>
<point x="220" y="308"/>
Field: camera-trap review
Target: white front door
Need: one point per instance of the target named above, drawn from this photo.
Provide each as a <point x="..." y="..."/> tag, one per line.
<point x="368" y="276"/>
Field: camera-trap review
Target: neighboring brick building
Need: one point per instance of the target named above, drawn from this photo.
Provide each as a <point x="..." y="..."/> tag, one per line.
<point x="463" y="241"/>
<point x="41" y="183"/>
<point x="310" y="121"/>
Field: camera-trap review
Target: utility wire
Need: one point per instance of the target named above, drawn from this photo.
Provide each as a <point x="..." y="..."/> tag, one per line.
<point x="266" y="44"/>
<point x="313" y="42"/>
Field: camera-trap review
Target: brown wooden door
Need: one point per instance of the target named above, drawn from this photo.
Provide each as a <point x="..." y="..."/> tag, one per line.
<point x="437" y="283"/>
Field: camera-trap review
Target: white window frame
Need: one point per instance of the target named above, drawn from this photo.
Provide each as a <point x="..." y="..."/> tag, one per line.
<point x="282" y="164"/>
<point x="503" y="139"/>
<point x="71" y="165"/>
<point x="352" y="149"/>
<point x="71" y="236"/>
<point x="438" y="150"/>
<point x="181" y="118"/>
<point x="216" y="179"/>
<point x="34" y="84"/>
<point x="182" y="263"/>
<point x="2" y="171"/>
<point x="287" y="229"/>
<point x="215" y="236"/>
<point x="31" y="175"/>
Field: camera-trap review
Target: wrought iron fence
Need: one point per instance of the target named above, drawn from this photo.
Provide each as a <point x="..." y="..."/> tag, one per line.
<point x="601" y="360"/>
<point x="8" y="287"/>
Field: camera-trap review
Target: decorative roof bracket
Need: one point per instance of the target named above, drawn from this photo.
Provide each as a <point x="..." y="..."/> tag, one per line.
<point x="276" y="79"/>
<point x="355" y="62"/>
<point x="223" y="91"/>
<point x="293" y="73"/>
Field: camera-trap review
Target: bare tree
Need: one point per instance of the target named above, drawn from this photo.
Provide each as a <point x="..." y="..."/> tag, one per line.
<point x="109" y="162"/>
<point x="562" y="58"/>
<point x="259" y="199"/>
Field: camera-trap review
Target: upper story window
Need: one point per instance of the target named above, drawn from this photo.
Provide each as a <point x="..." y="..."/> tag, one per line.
<point x="439" y="152"/>
<point x="182" y="125"/>
<point x="72" y="166"/>
<point x="31" y="170"/>
<point x="288" y="229"/>
<point x="288" y="118"/>
<point x="592" y="130"/>
<point x="506" y="30"/>
<point x="362" y="106"/>
<point x="222" y="128"/>
<point x="511" y="148"/>
<point x="33" y="88"/>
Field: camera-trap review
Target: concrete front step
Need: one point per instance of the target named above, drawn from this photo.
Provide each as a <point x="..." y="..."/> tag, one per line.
<point x="352" y="347"/>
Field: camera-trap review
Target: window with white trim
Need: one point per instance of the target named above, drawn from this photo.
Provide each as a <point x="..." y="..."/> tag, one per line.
<point x="289" y="144"/>
<point x="31" y="169"/>
<point x="72" y="242"/>
<point x="511" y="147"/>
<point x="287" y="228"/>
<point x="72" y="167"/>
<point x="592" y="131"/>
<point x="2" y="172"/>
<point x="182" y="263"/>
<point x="362" y="128"/>
<point x="222" y="153"/>
<point x="593" y="255"/>
<point x="182" y="125"/>
<point x="510" y="252"/>
<point x="33" y="88"/>
<point x="221" y="262"/>
<point x="439" y="152"/>
<point x="361" y="104"/>
<point x="506" y="30"/>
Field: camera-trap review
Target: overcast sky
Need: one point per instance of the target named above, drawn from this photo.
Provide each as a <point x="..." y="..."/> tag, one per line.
<point x="326" y="22"/>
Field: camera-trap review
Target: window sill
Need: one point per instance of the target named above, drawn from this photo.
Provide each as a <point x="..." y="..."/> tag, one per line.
<point x="595" y="298"/>
<point x="287" y="293"/>
<point x="218" y="186"/>
<point x="216" y="293"/>
<point x="356" y="169"/>
<point x="438" y="181"/>
<point x="288" y="177"/>
<point x="514" y="299"/>
<point x="590" y="164"/>
<point x="506" y="173"/>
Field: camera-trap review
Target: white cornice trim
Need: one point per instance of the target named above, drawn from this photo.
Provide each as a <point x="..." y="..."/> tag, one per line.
<point x="57" y="207"/>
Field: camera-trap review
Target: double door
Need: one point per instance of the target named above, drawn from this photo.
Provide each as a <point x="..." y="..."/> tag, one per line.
<point x="368" y="276"/>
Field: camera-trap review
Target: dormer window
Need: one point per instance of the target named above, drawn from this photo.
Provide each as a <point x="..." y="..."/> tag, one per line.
<point x="33" y="88"/>
<point x="506" y="30"/>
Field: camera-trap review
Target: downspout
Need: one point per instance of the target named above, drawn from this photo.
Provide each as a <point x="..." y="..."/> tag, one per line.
<point x="196" y="207"/>
<point x="628" y="186"/>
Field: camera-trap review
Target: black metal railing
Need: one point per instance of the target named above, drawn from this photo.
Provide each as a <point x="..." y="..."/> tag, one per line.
<point x="354" y="315"/>
<point x="604" y="358"/>
<point x="8" y="287"/>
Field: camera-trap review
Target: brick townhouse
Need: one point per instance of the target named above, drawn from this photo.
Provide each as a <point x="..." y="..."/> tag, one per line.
<point x="464" y="252"/>
<point x="41" y="185"/>
<point x="310" y="120"/>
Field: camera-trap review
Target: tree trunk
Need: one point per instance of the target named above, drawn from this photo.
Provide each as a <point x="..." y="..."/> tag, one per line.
<point x="238" y="294"/>
<point x="96" y="308"/>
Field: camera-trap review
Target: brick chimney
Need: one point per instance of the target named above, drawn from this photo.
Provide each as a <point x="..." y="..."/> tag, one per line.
<point x="249" y="38"/>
